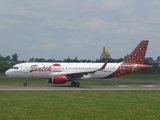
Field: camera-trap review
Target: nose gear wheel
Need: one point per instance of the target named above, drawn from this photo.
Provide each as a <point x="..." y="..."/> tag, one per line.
<point x="25" y="84"/>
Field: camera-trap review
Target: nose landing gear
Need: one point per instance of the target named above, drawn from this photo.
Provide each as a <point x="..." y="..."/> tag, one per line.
<point x="25" y="84"/>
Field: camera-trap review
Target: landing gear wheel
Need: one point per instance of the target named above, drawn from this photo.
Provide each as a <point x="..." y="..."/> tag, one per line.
<point x="25" y="84"/>
<point x="75" y="84"/>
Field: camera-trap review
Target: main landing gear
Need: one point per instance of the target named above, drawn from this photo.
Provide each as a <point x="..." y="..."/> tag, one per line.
<point x="75" y="84"/>
<point x="25" y="84"/>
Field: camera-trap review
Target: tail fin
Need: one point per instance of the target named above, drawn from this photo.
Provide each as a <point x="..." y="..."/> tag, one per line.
<point x="134" y="62"/>
<point x="138" y="54"/>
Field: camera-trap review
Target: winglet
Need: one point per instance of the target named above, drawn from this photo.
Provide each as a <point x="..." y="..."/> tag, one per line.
<point x="104" y="65"/>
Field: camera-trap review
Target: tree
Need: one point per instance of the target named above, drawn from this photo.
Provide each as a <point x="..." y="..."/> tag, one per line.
<point x="150" y="60"/>
<point x="158" y="59"/>
<point x="15" y="57"/>
<point x="31" y="59"/>
<point x="39" y="60"/>
<point x="125" y="57"/>
<point x="75" y="59"/>
<point x="7" y="57"/>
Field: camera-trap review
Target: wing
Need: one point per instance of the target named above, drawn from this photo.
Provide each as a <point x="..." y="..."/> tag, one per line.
<point x="80" y="74"/>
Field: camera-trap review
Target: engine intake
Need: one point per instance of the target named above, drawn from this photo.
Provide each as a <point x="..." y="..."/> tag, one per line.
<point x="57" y="79"/>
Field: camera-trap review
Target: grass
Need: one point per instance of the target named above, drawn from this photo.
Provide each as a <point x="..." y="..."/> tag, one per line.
<point x="2" y="74"/>
<point x="86" y="105"/>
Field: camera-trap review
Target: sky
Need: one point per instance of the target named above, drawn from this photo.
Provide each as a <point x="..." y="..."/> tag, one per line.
<point x="58" y="29"/>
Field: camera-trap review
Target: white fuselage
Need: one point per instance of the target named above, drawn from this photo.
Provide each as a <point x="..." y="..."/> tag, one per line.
<point x="47" y="70"/>
<point x="59" y="73"/>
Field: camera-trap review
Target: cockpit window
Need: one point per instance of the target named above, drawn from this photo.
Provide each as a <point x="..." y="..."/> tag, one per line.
<point x="14" y="67"/>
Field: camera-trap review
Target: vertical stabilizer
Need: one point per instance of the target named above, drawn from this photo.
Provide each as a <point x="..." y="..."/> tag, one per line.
<point x="134" y="62"/>
<point x="138" y="54"/>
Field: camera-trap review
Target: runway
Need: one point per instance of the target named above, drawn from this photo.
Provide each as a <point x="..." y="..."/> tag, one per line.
<point x="143" y="81"/>
<point x="83" y="87"/>
<point x="146" y="85"/>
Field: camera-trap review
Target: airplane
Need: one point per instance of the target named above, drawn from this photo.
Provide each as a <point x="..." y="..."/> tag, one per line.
<point x="59" y="73"/>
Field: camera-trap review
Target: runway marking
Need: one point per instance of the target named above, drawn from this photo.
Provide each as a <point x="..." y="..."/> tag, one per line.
<point x="124" y="89"/>
<point x="124" y="86"/>
<point x="84" y="88"/>
<point x="137" y="85"/>
<point x="148" y="85"/>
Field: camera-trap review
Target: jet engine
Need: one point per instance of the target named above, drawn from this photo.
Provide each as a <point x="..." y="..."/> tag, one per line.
<point x="57" y="79"/>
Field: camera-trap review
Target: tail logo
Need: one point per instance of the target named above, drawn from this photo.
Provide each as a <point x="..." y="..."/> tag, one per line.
<point x="141" y="59"/>
<point x="130" y="60"/>
<point x="135" y="54"/>
<point x="140" y="48"/>
<point x="145" y="42"/>
<point x="138" y="54"/>
<point x="137" y="57"/>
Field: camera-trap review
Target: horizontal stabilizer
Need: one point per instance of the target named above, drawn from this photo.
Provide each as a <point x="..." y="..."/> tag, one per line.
<point x="138" y="67"/>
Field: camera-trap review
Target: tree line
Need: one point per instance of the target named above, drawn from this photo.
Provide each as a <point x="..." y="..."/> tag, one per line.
<point x="8" y="58"/>
<point x="7" y="62"/>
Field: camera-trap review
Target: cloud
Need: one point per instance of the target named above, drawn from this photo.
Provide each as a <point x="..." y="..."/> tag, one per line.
<point x="4" y="27"/>
<point x="95" y="23"/>
<point x="109" y="5"/>
<point x="80" y="28"/>
<point x="155" y="4"/>
<point x="45" y="46"/>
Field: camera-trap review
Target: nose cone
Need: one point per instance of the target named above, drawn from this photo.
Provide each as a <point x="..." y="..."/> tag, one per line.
<point x="8" y="73"/>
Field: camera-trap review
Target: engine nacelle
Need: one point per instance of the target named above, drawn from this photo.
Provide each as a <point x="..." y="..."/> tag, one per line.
<point x="57" y="79"/>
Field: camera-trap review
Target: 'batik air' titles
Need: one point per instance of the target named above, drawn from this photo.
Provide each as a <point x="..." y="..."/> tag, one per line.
<point x="35" y="68"/>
